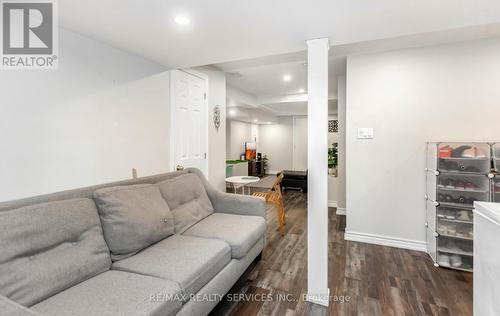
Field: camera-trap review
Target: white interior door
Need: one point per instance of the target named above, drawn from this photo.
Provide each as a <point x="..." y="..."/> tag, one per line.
<point x="188" y="111"/>
<point x="300" y="143"/>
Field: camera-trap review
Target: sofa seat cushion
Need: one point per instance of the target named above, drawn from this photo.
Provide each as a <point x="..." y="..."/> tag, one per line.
<point x="49" y="247"/>
<point x="11" y="308"/>
<point x="115" y="293"/>
<point x="133" y="217"/>
<point x="239" y="231"/>
<point x="189" y="261"/>
<point x="187" y="198"/>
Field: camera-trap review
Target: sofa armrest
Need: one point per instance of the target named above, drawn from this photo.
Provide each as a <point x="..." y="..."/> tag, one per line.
<point x="231" y="203"/>
<point x="237" y="204"/>
<point x="10" y="308"/>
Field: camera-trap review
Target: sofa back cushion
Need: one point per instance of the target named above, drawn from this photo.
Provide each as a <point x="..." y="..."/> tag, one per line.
<point x="47" y="248"/>
<point x="187" y="198"/>
<point x="133" y="217"/>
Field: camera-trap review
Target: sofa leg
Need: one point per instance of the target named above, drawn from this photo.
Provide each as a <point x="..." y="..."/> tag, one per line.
<point x="259" y="257"/>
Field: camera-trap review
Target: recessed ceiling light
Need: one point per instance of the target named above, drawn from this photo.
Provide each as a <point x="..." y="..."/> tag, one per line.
<point x="232" y="112"/>
<point x="182" y="20"/>
<point x="302" y="90"/>
<point x="255" y="120"/>
<point x="287" y="78"/>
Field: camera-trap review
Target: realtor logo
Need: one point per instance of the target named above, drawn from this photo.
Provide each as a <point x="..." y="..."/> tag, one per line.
<point x="29" y="34"/>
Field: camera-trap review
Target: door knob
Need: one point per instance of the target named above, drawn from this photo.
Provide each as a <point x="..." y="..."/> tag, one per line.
<point x="179" y="168"/>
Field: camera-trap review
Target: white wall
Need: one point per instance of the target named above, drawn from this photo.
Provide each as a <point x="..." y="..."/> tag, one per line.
<point x="276" y="141"/>
<point x="238" y="133"/>
<point x="341" y="169"/>
<point x="102" y="113"/>
<point x="81" y="124"/>
<point x="409" y="97"/>
<point x="299" y="143"/>
<point x="273" y="140"/>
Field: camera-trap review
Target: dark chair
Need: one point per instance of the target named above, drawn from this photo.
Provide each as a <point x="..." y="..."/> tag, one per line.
<point x="295" y="179"/>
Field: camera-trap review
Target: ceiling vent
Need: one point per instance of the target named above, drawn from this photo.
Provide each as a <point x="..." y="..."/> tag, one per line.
<point x="235" y="74"/>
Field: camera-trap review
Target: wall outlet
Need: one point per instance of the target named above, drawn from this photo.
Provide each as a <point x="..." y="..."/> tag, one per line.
<point x="365" y="133"/>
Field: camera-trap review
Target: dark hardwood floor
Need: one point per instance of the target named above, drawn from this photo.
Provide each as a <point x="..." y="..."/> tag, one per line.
<point x="377" y="280"/>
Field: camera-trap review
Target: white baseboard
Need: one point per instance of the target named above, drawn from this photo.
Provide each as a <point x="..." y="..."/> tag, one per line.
<point x="323" y="299"/>
<point x="340" y="210"/>
<point x="332" y="203"/>
<point x="386" y="241"/>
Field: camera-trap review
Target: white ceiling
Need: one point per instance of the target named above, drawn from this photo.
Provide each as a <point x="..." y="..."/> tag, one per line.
<point x="297" y="108"/>
<point x="267" y="80"/>
<point x="227" y="30"/>
<point x="262" y="77"/>
<point x="262" y="40"/>
<point x="265" y="83"/>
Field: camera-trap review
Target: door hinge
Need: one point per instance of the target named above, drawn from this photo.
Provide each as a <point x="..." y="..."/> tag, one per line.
<point x="204" y="96"/>
<point x="205" y="155"/>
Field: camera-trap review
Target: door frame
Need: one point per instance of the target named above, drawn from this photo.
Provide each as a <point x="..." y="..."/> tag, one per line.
<point x="204" y="77"/>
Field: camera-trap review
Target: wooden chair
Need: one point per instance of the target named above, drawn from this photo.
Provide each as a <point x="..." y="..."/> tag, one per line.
<point x="275" y="197"/>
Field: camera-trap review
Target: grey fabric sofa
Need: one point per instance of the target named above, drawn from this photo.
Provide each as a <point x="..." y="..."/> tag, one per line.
<point x="169" y="244"/>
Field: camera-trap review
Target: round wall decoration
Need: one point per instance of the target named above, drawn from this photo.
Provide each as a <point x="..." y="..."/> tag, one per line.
<point x="217" y="117"/>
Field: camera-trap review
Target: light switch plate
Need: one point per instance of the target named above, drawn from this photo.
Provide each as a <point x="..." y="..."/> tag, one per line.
<point x="365" y="133"/>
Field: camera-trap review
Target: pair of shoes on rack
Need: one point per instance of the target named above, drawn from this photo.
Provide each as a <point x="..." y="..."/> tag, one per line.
<point x="467" y="263"/>
<point x="455" y="261"/>
<point x="466" y="246"/>
<point x="444" y="260"/>
<point x="445" y="152"/>
<point x="461" y="215"/>
<point x="497" y="187"/>
<point x="446" y="165"/>
<point x="446" y="213"/>
<point x="447" y="198"/>
<point x="458" y="245"/>
<point x="450" y="260"/>
<point x="448" y="230"/>
<point x="465" y="185"/>
<point x="450" y="245"/>
<point x="453" y="230"/>
<point x="464" y="215"/>
<point x="466" y="200"/>
<point x="446" y="183"/>
<point x="450" y="215"/>
<point x="457" y="184"/>
<point x="467" y="151"/>
<point x="464" y="233"/>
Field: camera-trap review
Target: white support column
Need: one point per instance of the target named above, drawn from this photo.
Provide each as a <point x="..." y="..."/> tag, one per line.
<point x="317" y="157"/>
